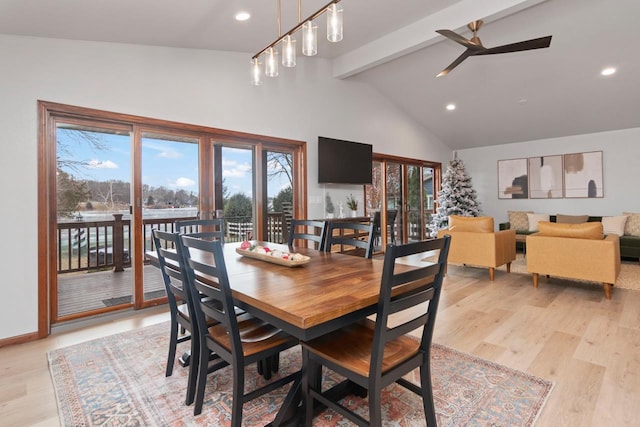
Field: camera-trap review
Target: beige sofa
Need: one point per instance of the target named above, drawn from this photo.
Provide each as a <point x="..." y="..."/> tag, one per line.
<point x="575" y="251"/>
<point x="473" y="242"/>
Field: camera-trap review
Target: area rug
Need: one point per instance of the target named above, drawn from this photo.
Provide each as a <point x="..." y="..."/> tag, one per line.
<point x="119" y="380"/>
<point x="629" y="277"/>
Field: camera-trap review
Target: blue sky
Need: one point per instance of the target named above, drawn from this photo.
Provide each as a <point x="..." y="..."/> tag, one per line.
<point x="171" y="164"/>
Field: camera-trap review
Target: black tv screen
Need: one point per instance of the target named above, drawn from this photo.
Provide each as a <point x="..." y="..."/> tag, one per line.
<point x="344" y="162"/>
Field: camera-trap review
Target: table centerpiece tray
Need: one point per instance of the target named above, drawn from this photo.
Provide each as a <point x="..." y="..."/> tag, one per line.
<point x="274" y="259"/>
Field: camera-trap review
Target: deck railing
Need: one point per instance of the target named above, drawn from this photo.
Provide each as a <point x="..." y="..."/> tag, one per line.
<point x="94" y="245"/>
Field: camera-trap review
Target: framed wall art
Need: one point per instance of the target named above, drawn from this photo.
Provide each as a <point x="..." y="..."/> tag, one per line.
<point x="545" y="177"/>
<point x="512" y="179"/>
<point x="583" y="175"/>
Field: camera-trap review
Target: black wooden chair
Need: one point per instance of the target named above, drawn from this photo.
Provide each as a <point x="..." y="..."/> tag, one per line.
<point x="377" y="226"/>
<point x="192" y="226"/>
<point x="356" y="234"/>
<point x="376" y="354"/>
<point x="300" y="230"/>
<point x="237" y="340"/>
<point x="171" y="264"/>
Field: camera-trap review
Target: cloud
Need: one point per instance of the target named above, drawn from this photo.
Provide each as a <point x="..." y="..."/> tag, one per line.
<point x="164" y="151"/>
<point x="231" y="169"/>
<point x="97" y="164"/>
<point x="183" y="182"/>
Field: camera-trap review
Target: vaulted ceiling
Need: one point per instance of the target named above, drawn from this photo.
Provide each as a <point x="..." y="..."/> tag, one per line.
<point x="392" y="46"/>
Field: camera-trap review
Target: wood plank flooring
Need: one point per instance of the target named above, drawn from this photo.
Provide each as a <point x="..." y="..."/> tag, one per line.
<point x="563" y="331"/>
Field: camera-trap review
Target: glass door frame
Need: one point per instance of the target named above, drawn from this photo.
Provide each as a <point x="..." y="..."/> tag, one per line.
<point x="210" y="184"/>
<point x="404" y="162"/>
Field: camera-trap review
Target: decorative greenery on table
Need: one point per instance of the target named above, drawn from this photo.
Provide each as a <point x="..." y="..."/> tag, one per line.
<point x="352" y="203"/>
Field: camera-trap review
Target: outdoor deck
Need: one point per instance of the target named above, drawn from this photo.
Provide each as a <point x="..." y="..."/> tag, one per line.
<point x="83" y="291"/>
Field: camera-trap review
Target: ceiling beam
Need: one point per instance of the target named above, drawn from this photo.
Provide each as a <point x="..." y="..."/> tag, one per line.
<point x="422" y="33"/>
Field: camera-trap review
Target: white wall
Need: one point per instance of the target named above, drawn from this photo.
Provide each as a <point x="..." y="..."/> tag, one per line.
<point x="621" y="170"/>
<point x="192" y="86"/>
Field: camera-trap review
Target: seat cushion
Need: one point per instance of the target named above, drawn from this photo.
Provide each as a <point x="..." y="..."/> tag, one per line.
<point x="588" y="230"/>
<point x="479" y="224"/>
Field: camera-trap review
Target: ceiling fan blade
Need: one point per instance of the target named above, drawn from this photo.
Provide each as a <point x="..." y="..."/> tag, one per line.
<point x="539" y="43"/>
<point x="455" y="63"/>
<point x="459" y="39"/>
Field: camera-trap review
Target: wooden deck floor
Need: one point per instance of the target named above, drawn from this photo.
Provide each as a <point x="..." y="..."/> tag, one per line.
<point x="84" y="291"/>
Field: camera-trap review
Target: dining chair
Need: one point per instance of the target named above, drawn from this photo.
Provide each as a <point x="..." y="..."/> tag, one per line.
<point x="375" y="354"/>
<point x="171" y="264"/>
<point x="191" y="226"/>
<point x="377" y="226"/>
<point x="238" y="340"/>
<point x="357" y="234"/>
<point x="300" y="230"/>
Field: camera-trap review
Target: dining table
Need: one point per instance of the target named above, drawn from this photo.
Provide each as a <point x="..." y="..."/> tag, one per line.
<point x="330" y="291"/>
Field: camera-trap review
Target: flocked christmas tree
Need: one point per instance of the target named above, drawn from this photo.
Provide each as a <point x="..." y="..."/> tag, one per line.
<point x="456" y="197"/>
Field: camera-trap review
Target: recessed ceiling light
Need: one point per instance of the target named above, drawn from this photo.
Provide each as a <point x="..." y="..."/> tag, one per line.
<point x="608" y="71"/>
<point x="242" y="16"/>
<point x="451" y="107"/>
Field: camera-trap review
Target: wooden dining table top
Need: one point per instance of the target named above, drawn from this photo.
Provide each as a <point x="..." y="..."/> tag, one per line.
<point x="330" y="291"/>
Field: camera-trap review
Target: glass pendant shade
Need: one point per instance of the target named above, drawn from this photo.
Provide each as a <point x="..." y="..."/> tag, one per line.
<point x="309" y="39"/>
<point x="289" y="52"/>
<point x="334" y="23"/>
<point x="271" y="63"/>
<point x="256" y="75"/>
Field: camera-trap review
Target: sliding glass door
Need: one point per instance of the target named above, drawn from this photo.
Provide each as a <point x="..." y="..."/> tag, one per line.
<point x="107" y="179"/>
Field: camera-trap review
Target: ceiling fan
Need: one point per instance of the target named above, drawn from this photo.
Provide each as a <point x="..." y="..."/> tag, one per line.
<point x="474" y="45"/>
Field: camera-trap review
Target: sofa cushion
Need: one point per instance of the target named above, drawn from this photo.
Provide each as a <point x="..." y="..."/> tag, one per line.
<point x="614" y="224"/>
<point x="534" y="219"/>
<point x="571" y="219"/>
<point x="481" y="224"/>
<point x="587" y="230"/>
<point x="518" y="220"/>
<point x="632" y="227"/>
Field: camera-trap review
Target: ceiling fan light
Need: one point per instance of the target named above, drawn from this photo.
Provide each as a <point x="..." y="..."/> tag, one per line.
<point x="309" y="39"/>
<point x="334" y="23"/>
<point x="289" y="52"/>
<point x="271" y="63"/>
<point x="451" y="107"/>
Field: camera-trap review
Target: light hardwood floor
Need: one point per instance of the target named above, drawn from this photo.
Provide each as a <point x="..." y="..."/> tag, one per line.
<point x="563" y="331"/>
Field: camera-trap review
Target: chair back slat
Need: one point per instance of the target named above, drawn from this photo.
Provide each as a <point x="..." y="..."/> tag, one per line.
<point x="300" y="230"/>
<point x="403" y="290"/>
<point x="351" y="234"/>
<point x="196" y="226"/>
<point x="170" y="263"/>
<point x="207" y="275"/>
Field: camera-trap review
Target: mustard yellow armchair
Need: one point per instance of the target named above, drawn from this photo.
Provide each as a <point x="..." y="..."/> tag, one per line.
<point x="574" y="251"/>
<point x="474" y="242"/>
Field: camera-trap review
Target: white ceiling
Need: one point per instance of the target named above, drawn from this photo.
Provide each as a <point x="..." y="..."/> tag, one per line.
<point x="392" y="45"/>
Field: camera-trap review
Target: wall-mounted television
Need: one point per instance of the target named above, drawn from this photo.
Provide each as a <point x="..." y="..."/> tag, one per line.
<point x="344" y="162"/>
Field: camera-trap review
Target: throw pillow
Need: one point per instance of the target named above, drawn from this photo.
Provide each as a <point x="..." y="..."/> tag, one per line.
<point x="632" y="227"/>
<point x="587" y="230"/>
<point x="614" y="224"/>
<point x="534" y="219"/>
<point x="480" y="224"/>
<point x="571" y="219"/>
<point x="518" y="220"/>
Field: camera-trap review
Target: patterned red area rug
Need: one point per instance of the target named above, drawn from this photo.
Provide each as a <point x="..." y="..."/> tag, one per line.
<point x="119" y="381"/>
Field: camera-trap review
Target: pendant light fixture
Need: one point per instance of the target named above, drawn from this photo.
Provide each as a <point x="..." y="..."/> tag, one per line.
<point x="334" y="23"/>
<point x="309" y="40"/>
<point x="256" y="73"/>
